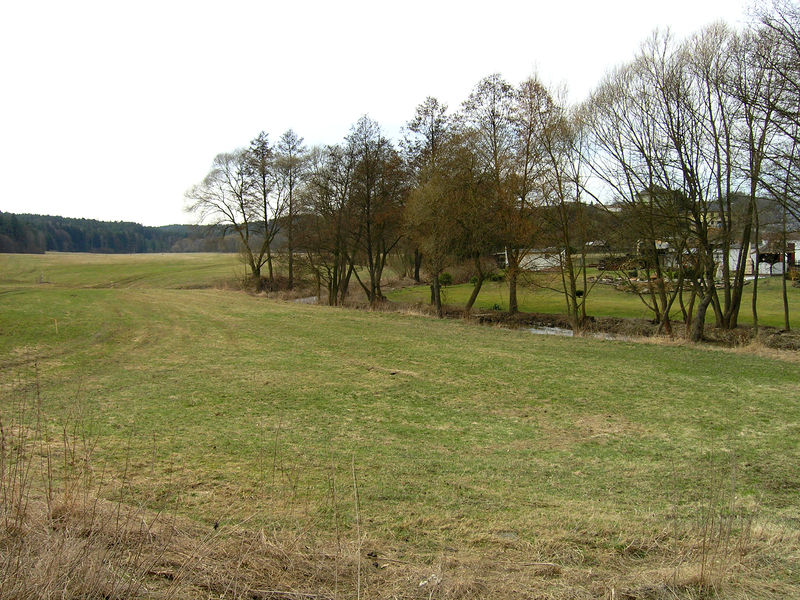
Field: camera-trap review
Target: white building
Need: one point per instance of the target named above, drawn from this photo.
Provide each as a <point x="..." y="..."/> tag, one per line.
<point x="535" y="259"/>
<point x="772" y="262"/>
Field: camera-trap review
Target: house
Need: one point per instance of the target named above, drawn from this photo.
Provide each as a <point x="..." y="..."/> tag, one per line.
<point x="769" y="258"/>
<point x="534" y="259"/>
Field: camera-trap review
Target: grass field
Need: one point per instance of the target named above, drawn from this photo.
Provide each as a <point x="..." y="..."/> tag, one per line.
<point x="488" y="462"/>
<point x="171" y="271"/>
<point x="604" y="300"/>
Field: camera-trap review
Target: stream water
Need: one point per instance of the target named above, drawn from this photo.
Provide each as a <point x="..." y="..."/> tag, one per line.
<point x="561" y="331"/>
<point x="543" y="330"/>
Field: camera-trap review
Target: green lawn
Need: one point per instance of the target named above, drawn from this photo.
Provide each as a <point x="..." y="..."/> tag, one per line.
<point x="603" y="300"/>
<point x="605" y="458"/>
<point x="67" y="269"/>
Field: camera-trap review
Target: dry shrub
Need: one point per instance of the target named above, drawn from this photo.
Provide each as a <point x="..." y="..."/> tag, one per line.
<point x="60" y="539"/>
<point x="92" y="551"/>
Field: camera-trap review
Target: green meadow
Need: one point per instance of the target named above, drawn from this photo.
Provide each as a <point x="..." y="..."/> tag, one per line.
<point x="511" y="465"/>
<point x="541" y="294"/>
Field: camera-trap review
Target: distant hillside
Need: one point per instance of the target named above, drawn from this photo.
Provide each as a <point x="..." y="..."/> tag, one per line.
<point x="39" y="233"/>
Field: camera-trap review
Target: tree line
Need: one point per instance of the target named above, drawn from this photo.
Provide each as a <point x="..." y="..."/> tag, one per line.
<point x="36" y="234"/>
<point x="683" y="148"/>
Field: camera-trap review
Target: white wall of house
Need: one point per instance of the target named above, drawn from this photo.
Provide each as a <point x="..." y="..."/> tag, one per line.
<point x="533" y="260"/>
<point x="733" y="258"/>
<point x="541" y="260"/>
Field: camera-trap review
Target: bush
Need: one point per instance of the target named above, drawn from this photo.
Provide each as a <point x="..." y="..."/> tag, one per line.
<point x="445" y="279"/>
<point x="493" y="276"/>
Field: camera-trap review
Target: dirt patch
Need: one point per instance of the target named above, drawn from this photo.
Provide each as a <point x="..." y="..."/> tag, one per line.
<point x="594" y="426"/>
<point x="597" y="429"/>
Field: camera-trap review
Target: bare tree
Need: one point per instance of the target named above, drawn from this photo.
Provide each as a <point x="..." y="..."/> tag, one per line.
<point x="562" y="138"/>
<point x="290" y="163"/>
<point x="225" y="199"/>
<point x="478" y="228"/>
<point x="329" y="235"/>
<point x="450" y="214"/>
<point x="260" y="166"/>
<point x="429" y="132"/>
<point x="378" y="192"/>
<point x="755" y="87"/>
<point x="780" y="23"/>
<point x="631" y="158"/>
<point x="671" y="132"/>
<point x="498" y="137"/>
<point x="428" y="214"/>
<point x="431" y="128"/>
<point x="710" y="65"/>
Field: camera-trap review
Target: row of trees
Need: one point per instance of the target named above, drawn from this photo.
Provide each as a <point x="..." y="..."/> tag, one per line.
<point x="682" y="132"/>
<point x="679" y="147"/>
<point x="36" y="234"/>
<point x="17" y="236"/>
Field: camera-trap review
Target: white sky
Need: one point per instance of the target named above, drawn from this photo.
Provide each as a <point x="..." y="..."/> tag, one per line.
<point x="110" y="110"/>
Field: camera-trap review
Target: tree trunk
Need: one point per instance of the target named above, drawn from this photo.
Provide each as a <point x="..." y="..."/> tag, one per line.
<point x="474" y="295"/>
<point x="665" y="325"/>
<point x="784" y="245"/>
<point x="570" y="288"/>
<point x="785" y="296"/>
<point x="784" y="275"/>
<point x="333" y="293"/>
<point x="379" y="266"/>
<point x="478" y="284"/>
<point x="585" y="287"/>
<point x="690" y="311"/>
<point x="756" y="269"/>
<point x="345" y="285"/>
<point x="257" y="281"/>
<point x="700" y="318"/>
<point x="269" y="264"/>
<point x="719" y="314"/>
<point x="290" y="236"/>
<point x="732" y="316"/>
<point x="437" y="294"/>
<point x="681" y="304"/>
<point x="417" y="263"/>
<point x="513" y="308"/>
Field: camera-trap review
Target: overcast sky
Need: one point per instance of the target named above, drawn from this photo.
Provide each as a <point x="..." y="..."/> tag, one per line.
<point x="111" y="110"/>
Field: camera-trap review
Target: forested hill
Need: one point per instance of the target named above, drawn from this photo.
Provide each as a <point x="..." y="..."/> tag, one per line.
<point x="39" y="233"/>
